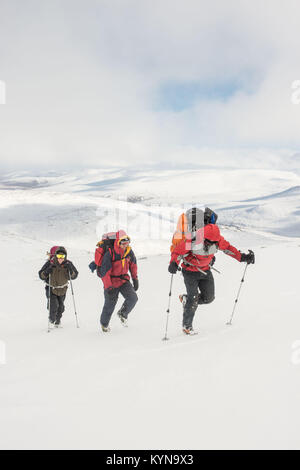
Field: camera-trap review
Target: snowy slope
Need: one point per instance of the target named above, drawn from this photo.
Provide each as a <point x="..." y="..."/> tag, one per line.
<point x="228" y="387"/>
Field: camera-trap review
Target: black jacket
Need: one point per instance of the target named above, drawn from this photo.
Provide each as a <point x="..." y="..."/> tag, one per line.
<point x="58" y="274"/>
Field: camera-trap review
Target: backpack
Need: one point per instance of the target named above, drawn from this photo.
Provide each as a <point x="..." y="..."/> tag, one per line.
<point x="193" y="220"/>
<point x="107" y="243"/>
<point x="210" y="217"/>
<point x="189" y="222"/>
<point x="52" y="251"/>
<point x="179" y="234"/>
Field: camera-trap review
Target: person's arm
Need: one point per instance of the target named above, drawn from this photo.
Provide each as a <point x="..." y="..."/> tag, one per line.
<point x="180" y="250"/>
<point x="133" y="265"/>
<point x="45" y="271"/>
<point x="72" y="270"/>
<point x="133" y="270"/>
<point x="228" y="249"/>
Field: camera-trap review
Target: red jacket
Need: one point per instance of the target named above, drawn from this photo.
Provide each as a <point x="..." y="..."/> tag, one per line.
<point x="116" y="263"/>
<point x="194" y="256"/>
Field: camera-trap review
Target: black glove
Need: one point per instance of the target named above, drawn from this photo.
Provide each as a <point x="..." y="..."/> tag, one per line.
<point x="248" y="258"/>
<point x="173" y="267"/>
<point x="213" y="260"/>
<point x="93" y="266"/>
<point x="135" y="284"/>
<point x="111" y="291"/>
<point x="68" y="267"/>
<point x="49" y="270"/>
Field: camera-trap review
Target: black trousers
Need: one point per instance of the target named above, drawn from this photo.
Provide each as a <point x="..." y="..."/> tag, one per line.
<point x="200" y="289"/>
<point x="55" y="306"/>
<point x="131" y="299"/>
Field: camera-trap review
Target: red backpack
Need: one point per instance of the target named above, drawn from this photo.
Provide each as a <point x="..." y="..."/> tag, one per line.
<point x="107" y="243"/>
<point x="52" y="251"/>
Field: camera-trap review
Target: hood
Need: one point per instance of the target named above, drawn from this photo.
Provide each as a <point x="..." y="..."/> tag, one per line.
<point x="118" y="249"/>
<point x="61" y="249"/>
<point x="120" y="235"/>
<point x="212" y="232"/>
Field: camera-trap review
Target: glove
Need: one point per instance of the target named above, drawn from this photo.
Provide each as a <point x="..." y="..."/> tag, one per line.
<point x="93" y="266"/>
<point x="248" y="258"/>
<point x="68" y="267"/>
<point x="213" y="260"/>
<point x="111" y="291"/>
<point x="49" y="270"/>
<point x="173" y="267"/>
<point x="135" y="284"/>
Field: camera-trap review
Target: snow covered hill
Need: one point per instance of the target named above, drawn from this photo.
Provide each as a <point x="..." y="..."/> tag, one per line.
<point x="227" y="387"/>
<point x="80" y="206"/>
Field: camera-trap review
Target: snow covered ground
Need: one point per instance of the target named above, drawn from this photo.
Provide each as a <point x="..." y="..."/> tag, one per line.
<point x="226" y="388"/>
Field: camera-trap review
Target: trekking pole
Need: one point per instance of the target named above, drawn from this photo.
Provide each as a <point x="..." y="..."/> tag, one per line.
<point x="237" y="297"/>
<point x="165" y="338"/>
<point x="73" y="300"/>
<point x="214" y="269"/>
<point x="49" y="303"/>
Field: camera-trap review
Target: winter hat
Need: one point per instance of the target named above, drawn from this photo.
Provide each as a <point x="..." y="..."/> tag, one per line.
<point x="122" y="235"/>
<point x="61" y="251"/>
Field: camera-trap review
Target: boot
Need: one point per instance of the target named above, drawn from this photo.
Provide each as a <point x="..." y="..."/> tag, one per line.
<point x="188" y="330"/>
<point x="105" y="329"/>
<point x="123" y="319"/>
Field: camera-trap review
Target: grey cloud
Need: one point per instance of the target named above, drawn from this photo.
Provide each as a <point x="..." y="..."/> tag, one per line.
<point x="82" y="78"/>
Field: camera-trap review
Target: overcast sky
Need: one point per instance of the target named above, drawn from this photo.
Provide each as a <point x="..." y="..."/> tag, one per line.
<point x="92" y="82"/>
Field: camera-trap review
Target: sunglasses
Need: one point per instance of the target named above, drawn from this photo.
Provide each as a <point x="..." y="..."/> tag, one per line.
<point x="125" y="240"/>
<point x="60" y="256"/>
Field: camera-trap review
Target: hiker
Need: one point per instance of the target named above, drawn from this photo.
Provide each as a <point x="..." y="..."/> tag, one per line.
<point x="114" y="259"/>
<point x="56" y="272"/>
<point x="195" y="243"/>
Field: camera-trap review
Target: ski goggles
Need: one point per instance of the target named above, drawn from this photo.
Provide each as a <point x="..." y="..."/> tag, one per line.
<point x="124" y="240"/>
<point x="60" y="256"/>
